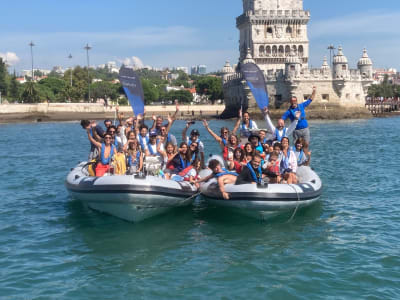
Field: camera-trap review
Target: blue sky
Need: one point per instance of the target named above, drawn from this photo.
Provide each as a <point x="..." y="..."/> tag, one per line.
<point x="182" y="32"/>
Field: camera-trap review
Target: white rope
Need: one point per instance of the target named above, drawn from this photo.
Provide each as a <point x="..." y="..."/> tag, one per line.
<point x="298" y="203"/>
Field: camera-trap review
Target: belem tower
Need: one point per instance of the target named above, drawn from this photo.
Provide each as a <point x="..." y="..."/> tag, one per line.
<point x="273" y="34"/>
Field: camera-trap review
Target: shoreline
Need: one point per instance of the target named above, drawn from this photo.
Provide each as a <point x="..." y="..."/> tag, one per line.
<point x="62" y="112"/>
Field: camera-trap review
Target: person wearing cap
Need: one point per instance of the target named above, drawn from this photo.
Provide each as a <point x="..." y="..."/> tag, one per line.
<point x="151" y="148"/>
<point x="194" y="137"/>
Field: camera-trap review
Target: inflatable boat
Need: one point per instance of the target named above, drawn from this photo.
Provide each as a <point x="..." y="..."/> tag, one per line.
<point x="129" y="197"/>
<point x="268" y="200"/>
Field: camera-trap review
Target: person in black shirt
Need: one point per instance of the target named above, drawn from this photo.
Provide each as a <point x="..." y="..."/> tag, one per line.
<point x="251" y="173"/>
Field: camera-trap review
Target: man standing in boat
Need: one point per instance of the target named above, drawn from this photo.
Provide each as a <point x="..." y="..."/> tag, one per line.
<point x="302" y="129"/>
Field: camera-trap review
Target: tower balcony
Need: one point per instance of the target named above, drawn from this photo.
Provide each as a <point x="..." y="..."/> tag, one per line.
<point x="278" y="16"/>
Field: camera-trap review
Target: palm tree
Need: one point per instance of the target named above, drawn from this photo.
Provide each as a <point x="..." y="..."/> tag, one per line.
<point x="30" y="93"/>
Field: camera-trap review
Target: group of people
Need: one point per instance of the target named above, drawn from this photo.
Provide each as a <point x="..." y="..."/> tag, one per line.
<point x="256" y="155"/>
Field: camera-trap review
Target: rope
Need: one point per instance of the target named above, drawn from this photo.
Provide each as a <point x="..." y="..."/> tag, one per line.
<point x="193" y="196"/>
<point x="297" y="206"/>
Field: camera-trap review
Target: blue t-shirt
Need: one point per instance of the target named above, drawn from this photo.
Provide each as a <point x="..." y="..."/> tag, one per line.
<point x="291" y="114"/>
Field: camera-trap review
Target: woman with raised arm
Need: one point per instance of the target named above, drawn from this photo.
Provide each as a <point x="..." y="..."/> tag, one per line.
<point x="106" y="150"/>
<point x="247" y="124"/>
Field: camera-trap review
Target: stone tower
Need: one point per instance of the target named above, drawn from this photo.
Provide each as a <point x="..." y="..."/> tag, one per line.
<point x="272" y="29"/>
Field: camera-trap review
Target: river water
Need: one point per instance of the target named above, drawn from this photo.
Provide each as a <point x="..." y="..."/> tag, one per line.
<point x="346" y="247"/>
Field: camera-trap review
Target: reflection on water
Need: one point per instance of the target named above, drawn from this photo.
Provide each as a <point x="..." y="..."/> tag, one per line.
<point x="53" y="247"/>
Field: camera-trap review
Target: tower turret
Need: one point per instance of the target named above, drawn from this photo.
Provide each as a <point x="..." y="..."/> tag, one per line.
<point x="340" y="65"/>
<point x="292" y="65"/>
<point x="365" y="65"/>
<point x="227" y="70"/>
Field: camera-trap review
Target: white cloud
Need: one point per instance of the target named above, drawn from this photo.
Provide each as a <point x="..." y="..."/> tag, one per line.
<point x="133" y="61"/>
<point x="10" y="57"/>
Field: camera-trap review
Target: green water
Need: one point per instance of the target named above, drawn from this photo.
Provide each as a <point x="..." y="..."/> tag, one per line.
<point x="346" y="247"/>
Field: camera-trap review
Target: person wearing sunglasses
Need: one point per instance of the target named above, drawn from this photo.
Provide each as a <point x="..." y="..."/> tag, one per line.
<point x="106" y="152"/>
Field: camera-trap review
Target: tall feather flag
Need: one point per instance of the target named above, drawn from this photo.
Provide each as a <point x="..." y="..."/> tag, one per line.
<point x="256" y="82"/>
<point x="133" y="89"/>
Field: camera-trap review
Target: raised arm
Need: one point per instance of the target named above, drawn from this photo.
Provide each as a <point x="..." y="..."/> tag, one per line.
<point x="91" y="139"/>
<point x="213" y="134"/>
<point x="170" y="122"/>
<point x="154" y="118"/>
<point x="268" y="121"/>
<point x="293" y="125"/>
<point x="314" y="92"/>
<point x="237" y="122"/>
<point x="185" y="131"/>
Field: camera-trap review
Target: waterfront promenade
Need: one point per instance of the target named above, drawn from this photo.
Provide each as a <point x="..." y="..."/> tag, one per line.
<point x="48" y="112"/>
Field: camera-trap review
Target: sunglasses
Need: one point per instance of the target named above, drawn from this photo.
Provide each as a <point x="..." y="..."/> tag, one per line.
<point x="107" y="138"/>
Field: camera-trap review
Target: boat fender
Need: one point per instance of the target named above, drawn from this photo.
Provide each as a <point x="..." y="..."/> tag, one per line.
<point x="77" y="177"/>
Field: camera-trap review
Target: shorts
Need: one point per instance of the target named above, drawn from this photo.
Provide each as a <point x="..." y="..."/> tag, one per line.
<point x="304" y="133"/>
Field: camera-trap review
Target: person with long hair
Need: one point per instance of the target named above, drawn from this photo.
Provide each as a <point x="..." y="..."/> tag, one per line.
<point x="134" y="157"/>
<point x="179" y="162"/>
<point x="106" y="152"/>
<point x="303" y="158"/>
<point x="288" y="163"/>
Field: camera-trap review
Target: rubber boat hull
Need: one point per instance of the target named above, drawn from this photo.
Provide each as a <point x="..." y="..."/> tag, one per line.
<point x="268" y="200"/>
<point x="128" y="197"/>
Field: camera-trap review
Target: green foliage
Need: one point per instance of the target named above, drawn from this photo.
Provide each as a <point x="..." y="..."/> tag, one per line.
<point x="123" y="101"/>
<point x="384" y="89"/>
<point x="14" y="90"/>
<point x="104" y="90"/>
<point x="183" y="96"/>
<point x="210" y="86"/>
<point x="150" y="91"/>
<point x="30" y="93"/>
<point x="104" y="74"/>
<point x="3" y="78"/>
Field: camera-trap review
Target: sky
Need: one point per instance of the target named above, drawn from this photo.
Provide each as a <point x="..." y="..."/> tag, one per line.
<point x="172" y="33"/>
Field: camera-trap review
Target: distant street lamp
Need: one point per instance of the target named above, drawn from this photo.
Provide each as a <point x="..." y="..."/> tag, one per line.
<point x="70" y="57"/>
<point x="31" y="44"/>
<point x="87" y="48"/>
<point x="331" y="48"/>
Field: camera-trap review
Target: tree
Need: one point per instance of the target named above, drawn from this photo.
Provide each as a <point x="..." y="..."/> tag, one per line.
<point x="183" y="96"/>
<point x="150" y="91"/>
<point x="55" y="85"/>
<point x="211" y="86"/>
<point x="3" y="78"/>
<point x="104" y="90"/>
<point x="30" y="93"/>
<point x="14" y="90"/>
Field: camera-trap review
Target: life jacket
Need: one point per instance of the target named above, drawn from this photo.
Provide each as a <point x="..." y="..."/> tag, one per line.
<point x="150" y="147"/>
<point x="275" y="168"/>
<point x="224" y="141"/>
<point x="256" y="177"/>
<point x="285" y="161"/>
<point x="92" y="167"/>
<point x="259" y="148"/>
<point x="184" y="163"/>
<point x="185" y="171"/>
<point x="225" y="172"/>
<point x="250" y="125"/>
<point x="279" y="137"/>
<point x="143" y="141"/>
<point x="196" y="141"/>
<point x="301" y="154"/>
<point x="106" y="161"/>
<point x="136" y="161"/>
<point x="119" y="164"/>
<point x="226" y="150"/>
